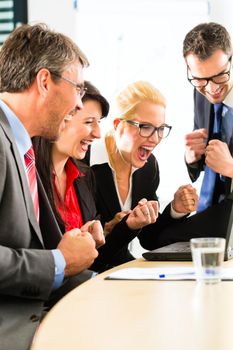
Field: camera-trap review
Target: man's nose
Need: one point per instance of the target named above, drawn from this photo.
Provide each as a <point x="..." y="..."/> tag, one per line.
<point x="211" y="86"/>
<point x="79" y="104"/>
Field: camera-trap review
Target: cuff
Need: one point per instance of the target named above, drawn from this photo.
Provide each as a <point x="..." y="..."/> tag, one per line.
<point x="175" y="214"/>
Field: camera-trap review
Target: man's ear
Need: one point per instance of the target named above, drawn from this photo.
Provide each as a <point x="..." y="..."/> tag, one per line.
<point x="116" y="121"/>
<point x="43" y="79"/>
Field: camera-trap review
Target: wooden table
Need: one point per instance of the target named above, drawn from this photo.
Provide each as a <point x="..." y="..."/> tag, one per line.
<point x="151" y="315"/>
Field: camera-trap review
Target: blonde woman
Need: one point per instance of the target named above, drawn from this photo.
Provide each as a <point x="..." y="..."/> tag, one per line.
<point x="131" y="171"/>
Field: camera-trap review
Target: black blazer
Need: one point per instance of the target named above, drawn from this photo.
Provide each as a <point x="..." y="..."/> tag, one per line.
<point x="204" y="118"/>
<point x="144" y="185"/>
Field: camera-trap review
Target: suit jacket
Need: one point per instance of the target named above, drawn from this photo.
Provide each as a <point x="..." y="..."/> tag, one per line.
<point x="26" y="266"/>
<point x="144" y="185"/>
<point x="204" y="118"/>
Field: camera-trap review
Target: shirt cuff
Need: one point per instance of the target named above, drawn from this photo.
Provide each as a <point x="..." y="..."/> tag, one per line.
<point x="175" y="214"/>
<point x="60" y="265"/>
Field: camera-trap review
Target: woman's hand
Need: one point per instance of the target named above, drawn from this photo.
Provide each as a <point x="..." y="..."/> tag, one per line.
<point x="145" y="213"/>
<point x="95" y="228"/>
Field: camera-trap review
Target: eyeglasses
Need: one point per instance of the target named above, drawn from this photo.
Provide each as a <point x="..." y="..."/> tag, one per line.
<point x="147" y="130"/>
<point x="81" y="89"/>
<point x="220" y="78"/>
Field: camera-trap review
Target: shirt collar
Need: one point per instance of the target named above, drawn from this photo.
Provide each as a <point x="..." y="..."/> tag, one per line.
<point x="229" y="99"/>
<point x="72" y="172"/>
<point x="22" y="138"/>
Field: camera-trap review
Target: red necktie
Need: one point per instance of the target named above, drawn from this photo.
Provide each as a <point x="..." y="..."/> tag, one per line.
<point x="29" y="159"/>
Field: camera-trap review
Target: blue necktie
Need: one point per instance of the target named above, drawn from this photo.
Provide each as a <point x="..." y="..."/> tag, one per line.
<point x="208" y="183"/>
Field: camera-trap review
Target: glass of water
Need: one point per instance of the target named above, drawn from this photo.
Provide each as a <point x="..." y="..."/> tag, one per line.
<point x="208" y="256"/>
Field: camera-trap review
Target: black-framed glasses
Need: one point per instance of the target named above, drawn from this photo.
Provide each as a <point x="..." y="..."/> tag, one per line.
<point x="220" y="78"/>
<point x="81" y="89"/>
<point x="147" y="130"/>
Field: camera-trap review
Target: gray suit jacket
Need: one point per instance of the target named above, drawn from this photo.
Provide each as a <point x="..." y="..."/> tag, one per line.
<point x="26" y="267"/>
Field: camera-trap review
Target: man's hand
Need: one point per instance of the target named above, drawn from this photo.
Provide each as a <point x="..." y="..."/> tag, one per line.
<point x="78" y="249"/>
<point x="185" y="199"/>
<point x="96" y="230"/>
<point x="195" y="144"/>
<point x="218" y="158"/>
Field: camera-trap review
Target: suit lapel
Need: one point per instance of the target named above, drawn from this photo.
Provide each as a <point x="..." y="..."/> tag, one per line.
<point x="49" y="227"/>
<point x="136" y="193"/>
<point x="23" y="179"/>
<point x="107" y="190"/>
<point x="85" y="199"/>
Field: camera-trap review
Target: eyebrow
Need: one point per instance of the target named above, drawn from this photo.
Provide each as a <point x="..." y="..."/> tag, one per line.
<point x="75" y="110"/>
<point x="147" y="123"/>
<point x="211" y="76"/>
<point x="92" y="117"/>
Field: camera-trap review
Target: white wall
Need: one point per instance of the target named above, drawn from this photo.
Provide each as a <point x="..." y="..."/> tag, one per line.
<point x="58" y="14"/>
<point x="62" y="14"/>
<point x="221" y="11"/>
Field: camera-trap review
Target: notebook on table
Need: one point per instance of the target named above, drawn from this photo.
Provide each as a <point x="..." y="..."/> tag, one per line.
<point x="181" y="251"/>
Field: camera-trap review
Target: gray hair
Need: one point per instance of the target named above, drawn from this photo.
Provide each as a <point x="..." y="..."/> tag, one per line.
<point x="30" y="48"/>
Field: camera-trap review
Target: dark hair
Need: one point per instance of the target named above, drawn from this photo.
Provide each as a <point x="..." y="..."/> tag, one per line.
<point x="44" y="166"/>
<point x="204" y="39"/>
<point x="30" y="48"/>
<point x="93" y="93"/>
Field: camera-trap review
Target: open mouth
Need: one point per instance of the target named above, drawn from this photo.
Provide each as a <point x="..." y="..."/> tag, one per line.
<point x="218" y="93"/>
<point x="144" y="153"/>
<point x="85" y="144"/>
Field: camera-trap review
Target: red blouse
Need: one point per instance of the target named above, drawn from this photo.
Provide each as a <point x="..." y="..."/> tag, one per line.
<point x="70" y="209"/>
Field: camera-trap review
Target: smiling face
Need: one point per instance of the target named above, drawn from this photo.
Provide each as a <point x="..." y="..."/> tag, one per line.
<point x="80" y="131"/>
<point x="134" y="148"/>
<point x="212" y="66"/>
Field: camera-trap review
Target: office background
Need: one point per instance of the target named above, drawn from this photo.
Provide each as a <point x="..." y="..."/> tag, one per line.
<point x="129" y="40"/>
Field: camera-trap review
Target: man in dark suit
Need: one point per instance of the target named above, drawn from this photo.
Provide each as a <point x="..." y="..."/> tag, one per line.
<point x="207" y="51"/>
<point x="41" y="82"/>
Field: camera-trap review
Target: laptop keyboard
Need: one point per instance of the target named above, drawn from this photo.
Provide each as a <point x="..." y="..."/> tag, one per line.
<point x="181" y="247"/>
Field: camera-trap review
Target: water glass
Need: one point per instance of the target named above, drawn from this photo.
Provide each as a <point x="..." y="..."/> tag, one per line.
<point x="208" y="256"/>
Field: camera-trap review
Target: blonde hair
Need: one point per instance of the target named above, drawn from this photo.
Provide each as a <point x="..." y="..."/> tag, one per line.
<point x="135" y="93"/>
<point x="127" y="101"/>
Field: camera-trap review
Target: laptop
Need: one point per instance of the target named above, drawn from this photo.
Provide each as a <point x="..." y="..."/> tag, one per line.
<point x="181" y="251"/>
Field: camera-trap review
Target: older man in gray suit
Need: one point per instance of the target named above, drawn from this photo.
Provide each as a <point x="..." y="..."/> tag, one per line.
<point x="41" y="82"/>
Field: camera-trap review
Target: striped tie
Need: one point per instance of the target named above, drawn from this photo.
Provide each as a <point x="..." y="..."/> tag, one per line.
<point x="29" y="159"/>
